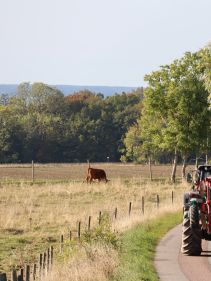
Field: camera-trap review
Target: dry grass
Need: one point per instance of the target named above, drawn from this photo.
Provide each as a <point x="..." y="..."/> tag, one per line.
<point x="76" y="172"/>
<point x="95" y="263"/>
<point x="32" y="216"/>
<point x="103" y="261"/>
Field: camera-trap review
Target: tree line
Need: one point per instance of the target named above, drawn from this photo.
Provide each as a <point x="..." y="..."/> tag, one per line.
<point x="39" y="123"/>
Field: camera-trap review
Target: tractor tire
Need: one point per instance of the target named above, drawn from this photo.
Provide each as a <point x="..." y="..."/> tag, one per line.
<point x="191" y="232"/>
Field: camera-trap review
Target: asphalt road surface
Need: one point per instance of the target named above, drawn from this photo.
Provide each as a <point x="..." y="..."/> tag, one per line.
<point x="171" y="265"/>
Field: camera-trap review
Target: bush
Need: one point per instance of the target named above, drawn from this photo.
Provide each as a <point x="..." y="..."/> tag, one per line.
<point x="102" y="233"/>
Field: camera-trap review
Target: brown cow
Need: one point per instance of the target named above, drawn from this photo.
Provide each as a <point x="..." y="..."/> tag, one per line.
<point x="95" y="174"/>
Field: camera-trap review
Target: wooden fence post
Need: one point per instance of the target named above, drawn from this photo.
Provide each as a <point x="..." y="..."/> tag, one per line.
<point x="79" y="230"/>
<point x="172" y="197"/>
<point x="48" y="259"/>
<point x="115" y="213"/>
<point x="27" y="275"/>
<point x="21" y="273"/>
<point x="30" y="223"/>
<point x="61" y="243"/>
<point x="130" y="207"/>
<point x="40" y="265"/>
<point x="51" y="254"/>
<point x="32" y="171"/>
<point x="34" y="271"/>
<point x="3" y="277"/>
<point x="20" y="277"/>
<point x="158" y="201"/>
<point x="14" y="275"/>
<point x="142" y="204"/>
<point x="70" y="235"/>
<point x="44" y="260"/>
<point x="89" y="223"/>
<point x="100" y="217"/>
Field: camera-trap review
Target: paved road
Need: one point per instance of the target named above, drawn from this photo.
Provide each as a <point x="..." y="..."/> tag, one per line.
<point x="171" y="265"/>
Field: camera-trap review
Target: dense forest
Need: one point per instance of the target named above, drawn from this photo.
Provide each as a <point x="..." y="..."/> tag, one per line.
<point x="169" y="120"/>
<point x="42" y="124"/>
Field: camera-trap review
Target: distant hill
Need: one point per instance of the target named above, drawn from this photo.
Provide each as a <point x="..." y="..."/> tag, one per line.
<point x="11" y="89"/>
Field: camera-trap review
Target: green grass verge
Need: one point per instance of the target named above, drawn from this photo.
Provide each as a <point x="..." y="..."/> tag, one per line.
<point x="138" y="249"/>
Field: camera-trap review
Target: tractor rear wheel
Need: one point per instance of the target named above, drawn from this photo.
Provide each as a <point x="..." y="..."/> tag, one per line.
<point x="191" y="232"/>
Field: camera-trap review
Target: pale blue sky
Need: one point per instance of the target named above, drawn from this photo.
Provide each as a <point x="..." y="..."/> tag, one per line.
<point x="97" y="42"/>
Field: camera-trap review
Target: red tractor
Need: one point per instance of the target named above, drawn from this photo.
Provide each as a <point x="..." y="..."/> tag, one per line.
<point x="197" y="212"/>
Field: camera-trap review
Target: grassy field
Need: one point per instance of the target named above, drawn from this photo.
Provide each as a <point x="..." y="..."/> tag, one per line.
<point x="34" y="216"/>
<point x="77" y="172"/>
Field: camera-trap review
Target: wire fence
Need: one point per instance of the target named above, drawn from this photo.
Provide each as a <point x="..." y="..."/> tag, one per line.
<point x="45" y="261"/>
<point x="36" y="172"/>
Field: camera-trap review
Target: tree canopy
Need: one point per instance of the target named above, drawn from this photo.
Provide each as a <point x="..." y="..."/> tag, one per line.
<point x="43" y="125"/>
<point x="176" y="115"/>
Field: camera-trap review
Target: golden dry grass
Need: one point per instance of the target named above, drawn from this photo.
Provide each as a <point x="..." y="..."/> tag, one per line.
<point x="95" y="263"/>
<point x="100" y="267"/>
<point x="33" y="216"/>
<point x="77" y="172"/>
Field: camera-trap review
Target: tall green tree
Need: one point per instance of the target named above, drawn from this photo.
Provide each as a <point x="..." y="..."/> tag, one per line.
<point x="182" y="105"/>
<point x="175" y="116"/>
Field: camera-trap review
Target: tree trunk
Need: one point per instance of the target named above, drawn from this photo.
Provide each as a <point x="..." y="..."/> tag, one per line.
<point x="196" y="163"/>
<point x="207" y="152"/>
<point x="184" y="165"/>
<point x="174" y="169"/>
<point x="150" y="168"/>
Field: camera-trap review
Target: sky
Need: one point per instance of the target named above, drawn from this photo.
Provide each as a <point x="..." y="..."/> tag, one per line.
<point x="97" y="42"/>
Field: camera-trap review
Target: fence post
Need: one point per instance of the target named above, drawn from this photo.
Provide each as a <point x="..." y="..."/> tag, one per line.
<point x="158" y="201"/>
<point x="61" y="243"/>
<point x="30" y="223"/>
<point x="44" y="260"/>
<point x="34" y="271"/>
<point x="14" y="275"/>
<point x="21" y="274"/>
<point x="70" y="235"/>
<point x="100" y="217"/>
<point x="3" y="277"/>
<point x="142" y="204"/>
<point x="79" y="230"/>
<point x="40" y="265"/>
<point x="48" y="259"/>
<point x="20" y="277"/>
<point x="130" y="207"/>
<point x="32" y="171"/>
<point x="172" y="197"/>
<point x="89" y="223"/>
<point x="51" y="255"/>
<point x="27" y="278"/>
<point x="115" y="213"/>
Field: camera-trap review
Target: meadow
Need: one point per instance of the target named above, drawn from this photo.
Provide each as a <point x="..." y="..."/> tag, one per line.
<point x="77" y="172"/>
<point x="33" y="216"/>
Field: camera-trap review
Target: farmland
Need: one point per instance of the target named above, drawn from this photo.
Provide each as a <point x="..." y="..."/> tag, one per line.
<point x="33" y="216"/>
<point x="77" y="172"/>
